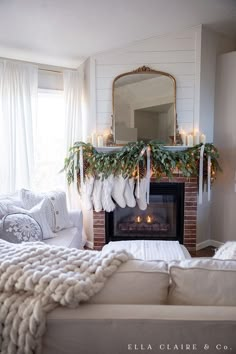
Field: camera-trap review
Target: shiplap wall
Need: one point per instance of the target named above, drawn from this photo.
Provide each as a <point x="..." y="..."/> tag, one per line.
<point x="175" y="54"/>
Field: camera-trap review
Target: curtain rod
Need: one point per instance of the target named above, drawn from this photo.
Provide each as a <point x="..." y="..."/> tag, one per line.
<point x="50" y="70"/>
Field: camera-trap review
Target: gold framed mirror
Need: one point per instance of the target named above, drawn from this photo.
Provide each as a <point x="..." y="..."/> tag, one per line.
<point x="144" y="106"/>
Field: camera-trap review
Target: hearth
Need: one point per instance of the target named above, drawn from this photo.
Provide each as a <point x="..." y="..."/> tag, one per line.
<point x="162" y="220"/>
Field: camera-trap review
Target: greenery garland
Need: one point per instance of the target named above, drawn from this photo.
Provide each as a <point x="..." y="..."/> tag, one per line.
<point x="127" y="160"/>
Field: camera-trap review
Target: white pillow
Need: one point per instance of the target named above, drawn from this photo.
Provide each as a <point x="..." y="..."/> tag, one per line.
<point x="227" y="251"/>
<point x="136" y="282"/>
<point x="8" y="200"/>
<point x="58" y="216"/>
<point x="203" y="282"/>
<point x="39" y="213"/>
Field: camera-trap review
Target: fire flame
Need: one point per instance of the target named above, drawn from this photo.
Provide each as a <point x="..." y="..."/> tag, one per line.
<point x="138" y="219"/>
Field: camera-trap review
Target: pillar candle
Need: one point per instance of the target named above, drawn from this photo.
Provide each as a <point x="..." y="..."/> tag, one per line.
<point x="196" y="137"/>
<point x="89" y="139"/>
<point x="190" y="140"/>
<point x="203" y="138"/>
<point x="183" y="137"/>
<point x="94" y="139"/>
<point x="100" y="141"/>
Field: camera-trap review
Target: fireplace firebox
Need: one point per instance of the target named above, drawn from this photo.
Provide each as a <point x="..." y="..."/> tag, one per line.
<point x="162" y="220"/>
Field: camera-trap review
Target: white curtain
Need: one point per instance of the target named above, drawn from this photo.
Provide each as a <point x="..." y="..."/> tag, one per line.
<point x="73" y="93"/>
<point x="18" y="97"/>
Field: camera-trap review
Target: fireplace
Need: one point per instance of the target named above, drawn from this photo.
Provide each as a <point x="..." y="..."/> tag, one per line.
<point x="162" y="220"/>
<point x="188" y="217"/>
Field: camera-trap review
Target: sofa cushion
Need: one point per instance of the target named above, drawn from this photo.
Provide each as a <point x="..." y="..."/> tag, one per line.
<point x="18" y="228"/>
<point x="71" y="237"/>
<point x="203" y="282"/>
<point x="57" y="212"/>
<point x="136" y="282"/>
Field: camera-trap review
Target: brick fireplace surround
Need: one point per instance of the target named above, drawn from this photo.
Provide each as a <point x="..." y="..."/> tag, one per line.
<point x="190" y="215"/>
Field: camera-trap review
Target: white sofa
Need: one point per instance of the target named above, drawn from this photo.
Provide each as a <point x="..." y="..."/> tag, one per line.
<point x="185" y="306"/>
<point x="72" y="236"/>
<point x="69" y="234"/>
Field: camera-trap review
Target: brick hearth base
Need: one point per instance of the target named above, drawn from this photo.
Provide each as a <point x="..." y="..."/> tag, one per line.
<point x="190" y="215"/>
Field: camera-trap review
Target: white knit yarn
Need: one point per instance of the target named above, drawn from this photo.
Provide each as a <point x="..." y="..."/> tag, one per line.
<point x="35" y="278"/>
<point x="97" y="194"/>
<point x="129" y="193"/>
<point x="87" y="191"/>
<point x="118" y="190"/>
<point x="107" y="202"/>
<point x="141" y="197"/>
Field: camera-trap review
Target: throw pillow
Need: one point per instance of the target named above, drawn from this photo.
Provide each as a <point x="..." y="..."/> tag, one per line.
<point x="57" y="212"/>
<point x="18" y="228"/>
<point x="8" y="200"/>
<point x="3" y="208"/>
<point x="40" y="213"/>
<point x="227" y="251"/>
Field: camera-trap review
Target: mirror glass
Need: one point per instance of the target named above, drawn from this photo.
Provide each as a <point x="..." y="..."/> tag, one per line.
<point x="144" y="106"/>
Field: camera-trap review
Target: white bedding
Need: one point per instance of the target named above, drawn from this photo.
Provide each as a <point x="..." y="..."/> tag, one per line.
<point x="150" y="250"/>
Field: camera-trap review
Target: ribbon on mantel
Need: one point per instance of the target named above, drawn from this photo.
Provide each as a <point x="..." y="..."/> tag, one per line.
<point x="138" y="174"/>
<point x="209" y="177"/>
<point x="201" y="173"/>
<point x="75" y="170"/>
<point x="81" y="166"/>
<point x="146" y="149"/>
<point x="138" y="183"/>
<point x="148" y="172"/>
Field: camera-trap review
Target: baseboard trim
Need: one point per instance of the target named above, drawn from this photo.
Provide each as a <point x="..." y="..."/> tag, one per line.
<point x="216" y="244"/>
<point x="89" y="244"/>
<point x="208" y="243"/>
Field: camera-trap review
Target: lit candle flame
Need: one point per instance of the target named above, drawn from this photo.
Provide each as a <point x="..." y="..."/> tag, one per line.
<point x="138" y="219"/>
<point x="149" y="219"/>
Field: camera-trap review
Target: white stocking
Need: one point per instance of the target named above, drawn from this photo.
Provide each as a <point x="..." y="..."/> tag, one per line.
<point x="97" y="195"/>
<point x="141" y="195"/>
<point x="107" y="202"/>
<point x="87" y="190"/>
<point x="129" y="193"/>
<point x="118" y="190"/>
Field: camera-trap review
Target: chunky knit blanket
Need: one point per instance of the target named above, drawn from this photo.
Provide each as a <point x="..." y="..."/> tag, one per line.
<point x="36" y="278"/>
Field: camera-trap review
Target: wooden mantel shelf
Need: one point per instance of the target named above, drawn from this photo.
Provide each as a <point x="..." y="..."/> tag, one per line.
<point x="118" y="148"/>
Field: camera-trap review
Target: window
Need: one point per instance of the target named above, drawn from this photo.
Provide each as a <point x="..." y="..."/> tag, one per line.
<point x="49" y="141"/>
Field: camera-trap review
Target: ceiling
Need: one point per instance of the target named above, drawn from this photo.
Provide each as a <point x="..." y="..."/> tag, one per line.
<point x="65" y="32"/>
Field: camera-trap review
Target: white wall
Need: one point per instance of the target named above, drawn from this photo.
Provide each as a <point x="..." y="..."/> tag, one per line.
<point x="224" y="191"/>
<point x="174" y="53"/>
<point x="212" y="44"/>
